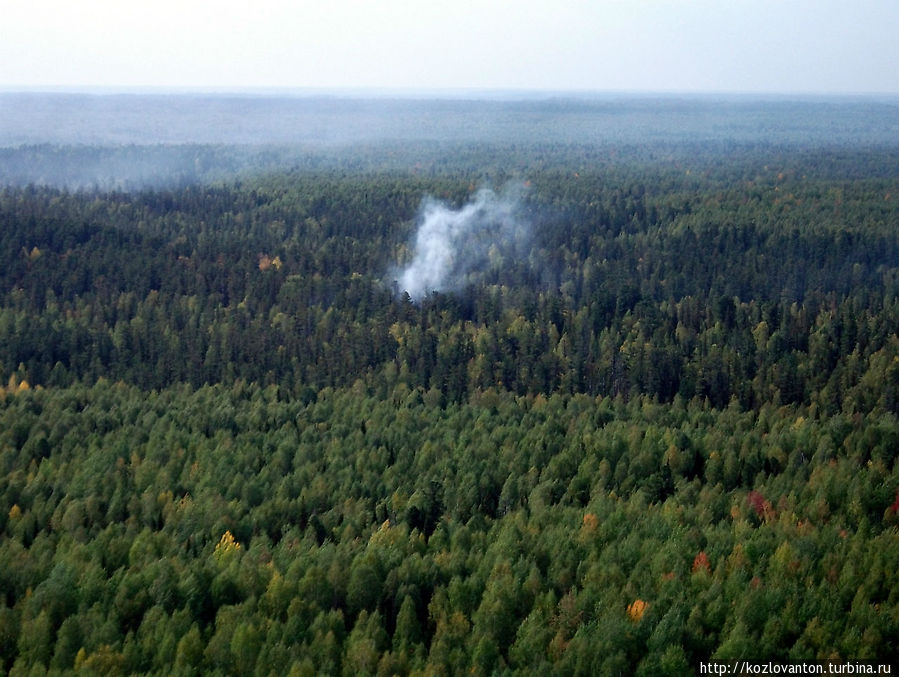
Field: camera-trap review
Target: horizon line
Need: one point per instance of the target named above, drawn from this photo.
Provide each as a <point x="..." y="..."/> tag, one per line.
<point x="405" y="92"/>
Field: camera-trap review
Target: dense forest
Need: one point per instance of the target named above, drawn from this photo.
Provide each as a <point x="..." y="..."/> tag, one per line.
<point x="660" y="429"/>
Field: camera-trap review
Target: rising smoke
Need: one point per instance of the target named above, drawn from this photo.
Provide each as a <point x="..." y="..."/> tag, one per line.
<point x="455" y="246"/>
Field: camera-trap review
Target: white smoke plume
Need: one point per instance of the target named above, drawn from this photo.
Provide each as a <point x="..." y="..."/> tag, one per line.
<point x="452" y="246"/>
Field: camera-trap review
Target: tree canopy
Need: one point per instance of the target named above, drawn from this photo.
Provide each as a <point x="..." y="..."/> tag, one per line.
<point x="665" y="432"/>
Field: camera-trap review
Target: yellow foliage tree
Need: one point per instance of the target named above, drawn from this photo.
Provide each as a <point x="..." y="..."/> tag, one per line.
<point x="226" y="546"/>
<point x="636" y="609"/>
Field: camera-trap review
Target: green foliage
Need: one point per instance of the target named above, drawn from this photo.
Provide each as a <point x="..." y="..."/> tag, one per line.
<point x="795" y="558"/>
<point x="668" y="435"/>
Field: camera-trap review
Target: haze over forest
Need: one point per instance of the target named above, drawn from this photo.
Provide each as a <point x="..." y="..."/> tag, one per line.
<point x="116" y="118"/>
<point x="512" y="384"/>
<point x="118" y="139"/>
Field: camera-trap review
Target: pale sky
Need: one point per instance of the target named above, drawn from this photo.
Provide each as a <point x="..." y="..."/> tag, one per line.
<point x="739" y="46"/>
